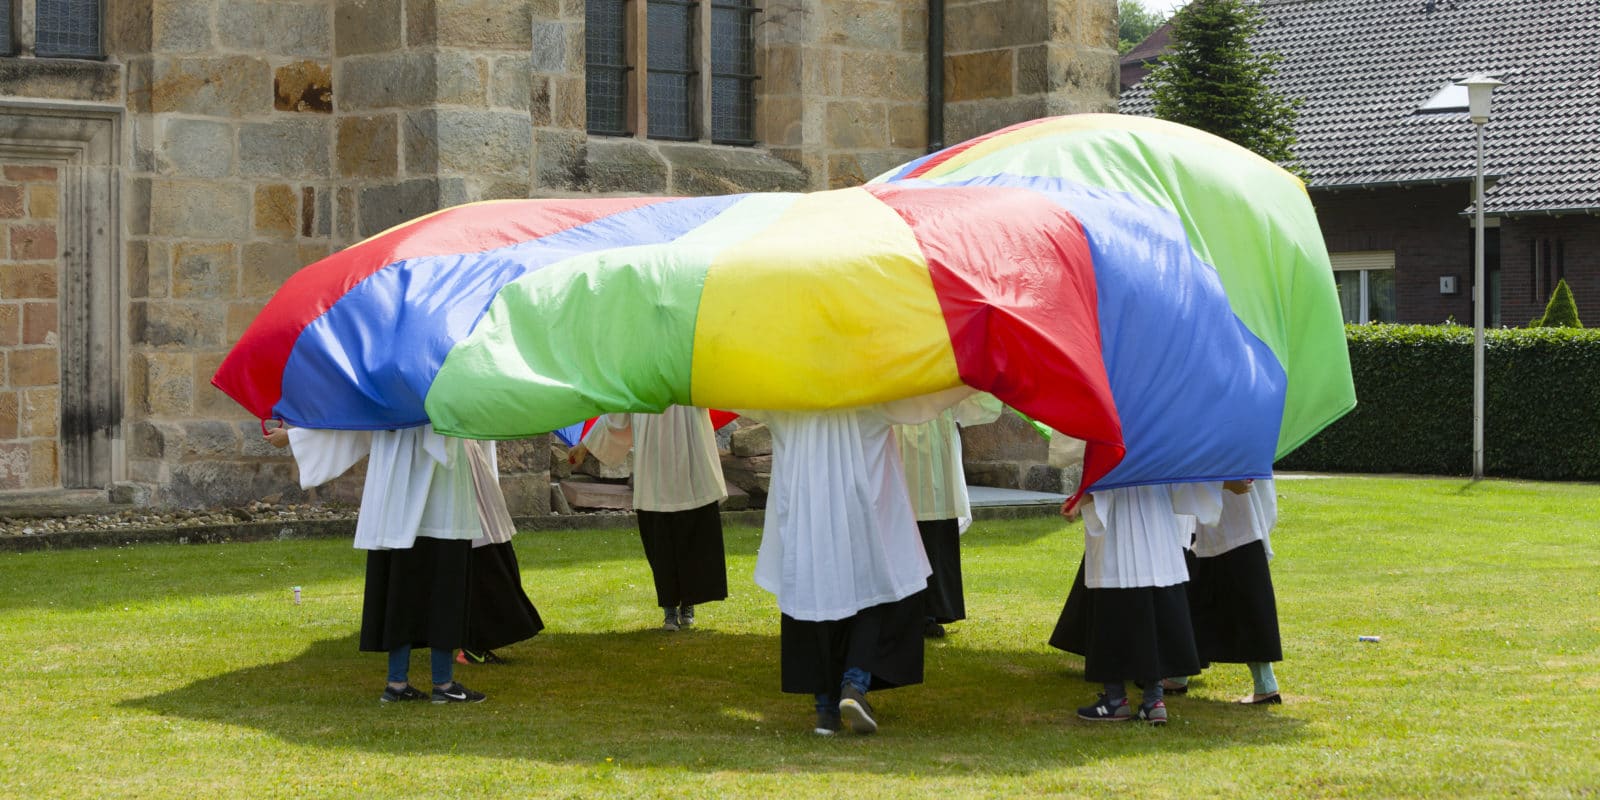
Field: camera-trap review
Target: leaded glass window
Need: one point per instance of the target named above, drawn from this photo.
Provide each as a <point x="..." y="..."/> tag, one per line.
<point x="732" y="72"/>
<point x="606" y="67"/>
<point x="6" y="48"/>
<point x="67" y="28"/>
<point x="670" y="37"/>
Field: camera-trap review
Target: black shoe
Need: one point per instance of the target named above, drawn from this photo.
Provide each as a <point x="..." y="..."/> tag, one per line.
<point x="669" y="619"/>
<point x="828" y="722"/>
<point x="853" y="706"/>
<point x="685" y="616"/>
<point x="479" y="657"/>
<point x="933" y="630"/>
<point x="393" y="695"/>
<point x="1104" y="709"/>
<point x="456" y="693"/>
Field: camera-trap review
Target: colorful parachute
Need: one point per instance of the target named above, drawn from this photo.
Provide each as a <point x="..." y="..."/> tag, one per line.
<point x="1136" y="284"/>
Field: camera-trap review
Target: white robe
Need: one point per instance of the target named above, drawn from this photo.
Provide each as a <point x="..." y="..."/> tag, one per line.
<point x="1135" y="536"/>
<point x="676" y="466"/>
<point x="418" y="482"/>
<point x="1245" y="518"/>
<point x="931" y="455"/>
<point x="493" y="516"/>
<point x="840" y="534"/>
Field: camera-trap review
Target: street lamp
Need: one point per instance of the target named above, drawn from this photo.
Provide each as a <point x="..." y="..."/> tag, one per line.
<point x="1479" y="88"/>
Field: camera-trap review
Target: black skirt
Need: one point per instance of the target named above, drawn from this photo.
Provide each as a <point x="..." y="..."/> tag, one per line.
<point x="1139" y="634"/>
<point x="941" y="539"/>
<point x="1233" y="608"/>
<point x="500" y="612"/>
<point x="684" y="549"/>
<point x="885" y="640"/>
<point x="418" y="596"/>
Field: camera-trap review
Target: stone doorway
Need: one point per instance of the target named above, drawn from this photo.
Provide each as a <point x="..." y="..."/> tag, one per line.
<point x="60" y="298"/>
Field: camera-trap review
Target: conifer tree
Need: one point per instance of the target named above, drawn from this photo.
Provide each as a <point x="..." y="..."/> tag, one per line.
<point x="1210" y="79"/>
<point x="1562" y="310"/>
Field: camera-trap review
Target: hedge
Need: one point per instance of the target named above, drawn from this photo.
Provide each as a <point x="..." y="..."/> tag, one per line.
<point x="1414" y="404"/>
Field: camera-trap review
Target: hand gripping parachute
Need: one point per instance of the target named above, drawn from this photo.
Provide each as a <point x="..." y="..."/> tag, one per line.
<point x="1153" y="290"/>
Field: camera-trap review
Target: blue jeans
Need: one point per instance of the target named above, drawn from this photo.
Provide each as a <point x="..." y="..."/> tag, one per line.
<point x="443" y="663"/>
<point x="854" y="676"/>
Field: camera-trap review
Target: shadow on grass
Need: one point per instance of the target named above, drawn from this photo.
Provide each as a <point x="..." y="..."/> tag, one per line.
<point x="702" y="701"/>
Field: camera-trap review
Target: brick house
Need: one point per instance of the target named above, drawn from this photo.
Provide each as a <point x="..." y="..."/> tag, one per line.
<point x="1384" y="135"/>
<point x="165" y="165"/>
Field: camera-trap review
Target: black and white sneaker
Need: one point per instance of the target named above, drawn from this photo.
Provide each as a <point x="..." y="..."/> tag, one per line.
<point x="393" y="695"/>
<point x="685" y="616"/>
<point x="828" y="722"/>
<point x="855" y="709"/>
<point x="456" y="693"/>
<point x="1104" y="709"/>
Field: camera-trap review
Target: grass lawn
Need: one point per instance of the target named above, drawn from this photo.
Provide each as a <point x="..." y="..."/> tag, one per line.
<point x="171" y="670"/>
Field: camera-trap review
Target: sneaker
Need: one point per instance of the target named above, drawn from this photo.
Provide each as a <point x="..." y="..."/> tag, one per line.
<point x="828" y="722"/>
<point x="669" y="621"/>
<point x="393" y="695"/>
<point x="853" y="706"/>
<point x="1106" y="710"/>
<point x="933" y="630"/>
<point x="1153" y="713"/>
<point x="478" y="657"/>
<point x="685" y="616"/>
<point x="456" y="693"/>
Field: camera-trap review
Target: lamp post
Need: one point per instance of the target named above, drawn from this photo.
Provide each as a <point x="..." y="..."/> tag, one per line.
<point x="1479" y="88"/>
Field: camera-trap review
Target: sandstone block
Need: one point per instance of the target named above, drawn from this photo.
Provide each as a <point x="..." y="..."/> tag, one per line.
<point x="199" y="209"/>
<point x="267" y="265"/>
<point x="1042" y="478"/>
<point x="276" y="210"/>
<point x="10" y="325"/>
<point x="738" y="499"/>
<point x="558" y="500"/>
<point x="1009" y="438"/>
<point x="702" y="170"/>
<point x="528" y="494"/>
<point x="622" y="164"/>
<point x="304" y="86"/>
<point x="755" y="440"/>
<point x="43" y="465"/>
<point x="204" y="270"/>
<point x="43" y="200"/>
<point x="14" y="464"/>
<point x="549" y="52"/>
<point x="240" y="315"/>
<point x="855" y="125"/>
<point x="232" y="86"/>
<point x="34" y="242"/>
<point x="277" y="27"/>
<point x="908" y="126"/>
<point x="10" y="404"/>
<point x="367" y="26"/>
<point x="383" y="207"/>
<point x="287" y="148"/>
<point x="570" y="108"/>
<point x="1000" y="474"/>
<point x="39" y="323"/>
<point x="489" y="23"/>
<point x="510" y="85"/>
<point x="389" y="80"/>
<point x="462" y="79"/>
<point x="35" y="281"/>
<point x="208" y="439"/>
<point x="40" y="412"/>
<point x="34" y="366"/>
<point x="591" y="466"/>
<point x="368" y="147"/>
<point x="523" y="456"/>
<point x="169" y="383"/>
<point x="11" y="202"/>
<point x="973" y="76"/>
<point x="179" y="27"/>
<point x="559" y="160"/>
<point x="597" y="495"/>
<point x="865" y="24"/>
<point x="165" y="323"/>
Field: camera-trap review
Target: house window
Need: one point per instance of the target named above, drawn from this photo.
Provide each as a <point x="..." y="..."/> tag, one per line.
<point x="1366" y="285"/>
<point x="50" y="28"/>
<point x="1547" y="264"/>
<point x="698" y="76"/>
